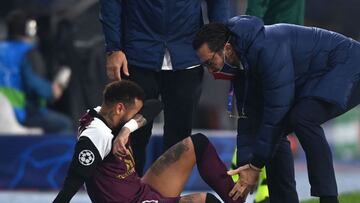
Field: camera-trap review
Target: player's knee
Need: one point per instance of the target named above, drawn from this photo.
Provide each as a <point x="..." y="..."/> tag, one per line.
<point x="200" y="142"/>
<point x="210" y="198"/>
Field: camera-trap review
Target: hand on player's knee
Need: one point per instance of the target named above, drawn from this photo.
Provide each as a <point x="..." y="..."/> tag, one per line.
<point x="248" y="177"/>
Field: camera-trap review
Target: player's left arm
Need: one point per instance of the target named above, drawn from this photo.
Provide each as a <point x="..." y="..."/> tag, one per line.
<point x="150" y="109"/>
<point x="148" y="112"/>
<point x="86" y="158"/>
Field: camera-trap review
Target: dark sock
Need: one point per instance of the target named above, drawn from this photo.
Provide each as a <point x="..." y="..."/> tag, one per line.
<point x="329" y="199"/>
<point x="210" y="198"/>
<point x="211" y="168"/>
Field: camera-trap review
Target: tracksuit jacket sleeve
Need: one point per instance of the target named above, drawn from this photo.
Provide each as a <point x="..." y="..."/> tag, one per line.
<point x="218" y="10"/>
<point x="276" y="74"/>
<point x="110" y="18"/>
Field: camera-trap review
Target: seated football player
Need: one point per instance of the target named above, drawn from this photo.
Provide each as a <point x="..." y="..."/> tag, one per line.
<point x="112" y="178"/>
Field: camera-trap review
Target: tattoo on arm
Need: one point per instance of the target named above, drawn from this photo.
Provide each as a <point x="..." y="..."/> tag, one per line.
<point x="141" y="121"/>
<point x="169" y="157"/>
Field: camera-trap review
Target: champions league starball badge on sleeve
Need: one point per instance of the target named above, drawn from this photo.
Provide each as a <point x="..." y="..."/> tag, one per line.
<point x="86" y="157"/>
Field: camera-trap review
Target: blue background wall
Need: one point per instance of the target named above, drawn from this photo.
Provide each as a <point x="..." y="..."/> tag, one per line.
<point x="40" y="163"/>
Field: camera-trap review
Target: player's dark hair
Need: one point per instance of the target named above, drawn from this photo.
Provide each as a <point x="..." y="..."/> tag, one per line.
<point x="123" y="91"/>
<point x="214" y="34"/>
<point x="16" y="24"/>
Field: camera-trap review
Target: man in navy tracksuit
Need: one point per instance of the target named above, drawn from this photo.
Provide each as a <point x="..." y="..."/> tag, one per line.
<point x="149" y="42"/>
<point x="286" y="78"/>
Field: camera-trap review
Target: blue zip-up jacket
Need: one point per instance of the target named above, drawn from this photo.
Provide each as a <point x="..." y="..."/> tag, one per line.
<point x="284" y="63"/>
<point x="144" y="28"/>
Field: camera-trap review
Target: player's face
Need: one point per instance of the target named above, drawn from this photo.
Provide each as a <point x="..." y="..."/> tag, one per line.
<point x="213" y="61"/>
<point x="132" y="110"/>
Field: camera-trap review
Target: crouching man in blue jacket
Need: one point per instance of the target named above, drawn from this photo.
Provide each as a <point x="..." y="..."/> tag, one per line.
<point x="286" y="78"/>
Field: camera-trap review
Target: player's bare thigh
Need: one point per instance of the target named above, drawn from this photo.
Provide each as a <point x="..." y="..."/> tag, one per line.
<point x="170" y="171"/>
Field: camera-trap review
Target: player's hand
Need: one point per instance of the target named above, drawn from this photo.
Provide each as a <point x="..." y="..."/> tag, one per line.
<point x="248" y="178"/>
<point x="115" y="63"/>
<point x="119" y="144"/>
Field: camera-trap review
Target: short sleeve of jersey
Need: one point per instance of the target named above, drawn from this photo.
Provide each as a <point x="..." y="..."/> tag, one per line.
<point x="100" y="135"/>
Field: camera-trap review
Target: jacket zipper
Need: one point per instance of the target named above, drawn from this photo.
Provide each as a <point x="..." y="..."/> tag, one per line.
<point x="243" y="114"/>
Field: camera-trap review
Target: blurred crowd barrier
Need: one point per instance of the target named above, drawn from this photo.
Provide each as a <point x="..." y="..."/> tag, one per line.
<point x="40" y="162"/>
